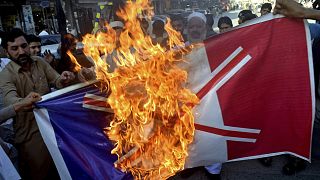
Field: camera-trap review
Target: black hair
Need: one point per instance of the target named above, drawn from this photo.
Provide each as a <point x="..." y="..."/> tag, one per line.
<point x="248" y="17"/>
<point x="244" y="12"/>
<point x="11" y="36"/>
<point x="158" y="27"/>
<point x="225" y="20"/>
<point x="32" y="38"/>
<point x="176" y="17"/>
<point x="267" y="6"/>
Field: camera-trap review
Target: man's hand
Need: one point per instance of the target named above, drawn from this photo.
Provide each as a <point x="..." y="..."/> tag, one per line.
<point x="48" y="56"/>
<point x="66" y="77"/>
<point x="86" y="74"/>
<point x="27" y="102"/>
<point x="290" y="8"/>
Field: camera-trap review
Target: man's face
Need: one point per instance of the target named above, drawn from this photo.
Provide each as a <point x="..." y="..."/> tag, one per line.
<point x="264" y="11"/>
<point x="35" y="48"/>
<point x="197" y="30"/>
<point x="178" y="26"/>
<point x="19" y="50"/>
<point x="224" y="27"/>
<point x="73" y="46"/>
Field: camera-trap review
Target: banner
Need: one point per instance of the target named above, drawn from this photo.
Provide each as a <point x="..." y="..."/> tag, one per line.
<point x="257" y="100"/>
<point x="257" y="92"/>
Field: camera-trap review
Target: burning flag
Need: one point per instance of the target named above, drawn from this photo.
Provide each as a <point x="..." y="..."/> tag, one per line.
<point x="253" y="99"/>
<point x="153" y="122"/>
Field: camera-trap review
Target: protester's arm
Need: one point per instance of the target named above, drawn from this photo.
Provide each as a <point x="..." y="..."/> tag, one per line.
<point x="7" y="113"/>
<point x="22" y="105"/>
<point x="86" y="74"/>
<point x="291" y="8"/>
<point x="59" y="81"/>
<point x="8" y="90"/>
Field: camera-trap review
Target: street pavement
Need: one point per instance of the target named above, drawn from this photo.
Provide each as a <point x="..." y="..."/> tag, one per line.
<point x="253" y="170"/>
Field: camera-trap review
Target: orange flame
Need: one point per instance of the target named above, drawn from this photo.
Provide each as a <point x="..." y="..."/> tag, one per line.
<point x="153" y="123"/>
<point x="77" y="66"/>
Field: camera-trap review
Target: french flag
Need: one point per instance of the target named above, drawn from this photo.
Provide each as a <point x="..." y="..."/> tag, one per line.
<point x="257" y="97"/>
<point x="71" y="122"/>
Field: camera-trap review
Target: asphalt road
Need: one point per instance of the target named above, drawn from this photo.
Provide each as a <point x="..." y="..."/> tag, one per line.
<point x="253" y="170"/>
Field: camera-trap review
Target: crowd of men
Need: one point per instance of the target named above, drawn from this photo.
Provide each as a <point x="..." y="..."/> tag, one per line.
<point x="26" y="75"/>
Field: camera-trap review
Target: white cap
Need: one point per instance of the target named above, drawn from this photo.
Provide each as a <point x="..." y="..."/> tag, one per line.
<point x="199" y="15"/>
<point x="117" y="24"/>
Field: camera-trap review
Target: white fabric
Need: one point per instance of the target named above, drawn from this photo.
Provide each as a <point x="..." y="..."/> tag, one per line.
<point x="197" y="14"/>
<point x="7" y="170"/>
<point x="43" y="33"/>
<point x="48" y="135"/>
<point x="118" y="24"/>
<point x="3" y="63"/>
<point x="214" y="168"/>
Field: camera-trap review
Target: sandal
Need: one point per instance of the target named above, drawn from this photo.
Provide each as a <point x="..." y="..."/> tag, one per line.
<point x="267" y="162"/>
<point x="294" y="166"/>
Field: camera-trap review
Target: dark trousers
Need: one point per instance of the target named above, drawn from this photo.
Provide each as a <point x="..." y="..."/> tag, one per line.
<point x="35" y="161"/>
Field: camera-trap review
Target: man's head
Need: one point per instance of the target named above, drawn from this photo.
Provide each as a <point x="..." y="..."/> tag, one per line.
<point x="34" y="45"/>
<point x="224" y="24"/>
<point x="177" y="23"/>
<point x="158" y="28"/>
<point x="197" y="27"/>
<point x="17" y="46"/>
<point x="69" y="43"/>
<point x="118" y="27"/>
<point x="144" y="24"/>
<point x="242" y="15"/>
<point x="265" y="8"/>
<point x="246" y="15"/>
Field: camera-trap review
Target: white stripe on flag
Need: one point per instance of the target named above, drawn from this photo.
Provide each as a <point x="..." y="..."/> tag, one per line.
<point x="7" y="170"/>
<point x="97" y="108"/>
<point x="48" y="135"/>
<point x="311" y="74"/>
<point x="231" y="73"/>
<point x="95" y="97"/>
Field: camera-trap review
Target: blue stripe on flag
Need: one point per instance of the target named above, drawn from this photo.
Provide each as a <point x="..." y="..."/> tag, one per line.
<point x="80" y="138"/>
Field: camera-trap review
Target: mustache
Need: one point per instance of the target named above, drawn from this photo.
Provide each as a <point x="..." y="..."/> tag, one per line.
<point x="23" y="58"/>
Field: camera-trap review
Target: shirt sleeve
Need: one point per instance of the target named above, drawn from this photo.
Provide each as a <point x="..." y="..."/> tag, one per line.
<point x="52" y="76"/>
<point x="7" y="113"/>
<point x="8" y="90"/>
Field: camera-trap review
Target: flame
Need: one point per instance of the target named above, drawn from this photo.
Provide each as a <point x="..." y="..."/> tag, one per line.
<point x="77" y="66"/>
<point x="153" y="122"/>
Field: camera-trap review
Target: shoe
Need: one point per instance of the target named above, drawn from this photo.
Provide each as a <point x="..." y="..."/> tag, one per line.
<point x="212" y="176"/>
<point x="293" y="166"/>
<point x="267" y="162"/>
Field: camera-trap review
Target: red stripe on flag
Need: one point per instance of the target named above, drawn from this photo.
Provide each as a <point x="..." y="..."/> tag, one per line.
<point x="223" y="132"/>
<point x="94" y="102"/>
<point x="221" y="74"/>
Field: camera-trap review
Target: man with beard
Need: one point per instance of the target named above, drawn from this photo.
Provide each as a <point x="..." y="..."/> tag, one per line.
<point x="197" y="32"/>
<point x="197" y="27"/>
<point x="25" y="74"/>
<point x="178" y="25"/>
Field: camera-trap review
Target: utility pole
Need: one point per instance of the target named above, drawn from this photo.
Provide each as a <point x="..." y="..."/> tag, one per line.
<point x="61" y="17"/>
